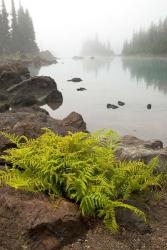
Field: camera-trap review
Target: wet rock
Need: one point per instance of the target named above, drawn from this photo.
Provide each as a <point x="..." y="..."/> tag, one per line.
<point x="31" y="221"/>
<point x="4" y="107"/>
<point x="132" y="148"/>
<point x="121" y="103"/>
<point x="112" y="106"/>
<point x="149" y="106"/>
<point x="81" y="89"/>
<point x="54" y="99"/>
<point x="75" y="79"/>
<point x="75" y="120"/>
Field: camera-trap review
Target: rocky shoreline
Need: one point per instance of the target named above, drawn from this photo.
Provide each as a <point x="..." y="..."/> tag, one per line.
<point x="33" y="221"/>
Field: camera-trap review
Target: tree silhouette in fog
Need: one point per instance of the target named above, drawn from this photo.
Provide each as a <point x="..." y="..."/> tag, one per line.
<point x="19" y="36"/>
<point x="96" y="48"/>
<point x="151" y="42"/>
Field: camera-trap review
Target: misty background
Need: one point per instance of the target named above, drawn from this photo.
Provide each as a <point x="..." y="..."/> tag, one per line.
<point x="62" y="26"/>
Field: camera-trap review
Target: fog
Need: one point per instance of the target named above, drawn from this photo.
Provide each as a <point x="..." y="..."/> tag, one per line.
<point x="62" y="25"/>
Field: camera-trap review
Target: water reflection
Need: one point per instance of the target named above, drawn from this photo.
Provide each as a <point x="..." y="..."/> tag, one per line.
<point x="152" y="71"/>
<point x="97" y="64"/>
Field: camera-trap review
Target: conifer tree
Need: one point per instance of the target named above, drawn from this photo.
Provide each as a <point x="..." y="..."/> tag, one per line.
<point x="5" y="30"/>
<point x="14" y="30"/>
<point x="27" y="42"/>
<point x="1" y="34"/>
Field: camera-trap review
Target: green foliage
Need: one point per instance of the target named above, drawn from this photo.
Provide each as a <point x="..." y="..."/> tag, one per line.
<point x="81" y="167"/>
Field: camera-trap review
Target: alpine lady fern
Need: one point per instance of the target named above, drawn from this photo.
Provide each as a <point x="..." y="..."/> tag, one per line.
<point x="81" y="167"/>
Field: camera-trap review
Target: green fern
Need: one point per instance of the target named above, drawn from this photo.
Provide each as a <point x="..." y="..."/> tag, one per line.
<point x="81" y="167"/>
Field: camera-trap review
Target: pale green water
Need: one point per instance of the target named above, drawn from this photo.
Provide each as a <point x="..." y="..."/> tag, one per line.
<point x="137" y="82"/>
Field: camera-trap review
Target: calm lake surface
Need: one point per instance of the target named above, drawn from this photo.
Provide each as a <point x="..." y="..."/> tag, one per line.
<point x="135" y="81"/>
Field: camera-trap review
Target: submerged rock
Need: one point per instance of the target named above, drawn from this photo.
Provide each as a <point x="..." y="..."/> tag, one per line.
<point x="149" y="106"/>
<point x="75" y="79"/>
<point x="121" y="103"/>
<point x="81" y="89"/>
<point x="112" y="106"/>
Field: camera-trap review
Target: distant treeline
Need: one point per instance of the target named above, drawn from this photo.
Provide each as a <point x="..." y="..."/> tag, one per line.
<point x="16" y="31"/>
<point x="96" y="48"/>
<point x="152" y="41"/>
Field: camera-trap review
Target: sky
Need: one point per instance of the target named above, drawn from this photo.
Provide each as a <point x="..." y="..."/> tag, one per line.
<point x="62" y="25"/>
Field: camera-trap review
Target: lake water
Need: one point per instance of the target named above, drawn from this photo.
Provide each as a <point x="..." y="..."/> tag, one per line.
<point x="135" y="81"/>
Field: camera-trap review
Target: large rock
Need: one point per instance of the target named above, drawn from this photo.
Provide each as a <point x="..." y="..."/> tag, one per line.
<point x="23" y="101"/>
<point x="43" y="88"/>
<point x="132" y="148"/>
<point x="75" y="120"/>
<point x="30" y="121"/>
<point x="32" y="221"/>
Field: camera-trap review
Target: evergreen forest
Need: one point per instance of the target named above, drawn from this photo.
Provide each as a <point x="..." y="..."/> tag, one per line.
<point x="17" y="33"/>
<point x="152" y="41"/>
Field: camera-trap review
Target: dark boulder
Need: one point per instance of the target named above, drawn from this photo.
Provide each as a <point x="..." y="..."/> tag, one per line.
<point x="34" y="84"/>
<point x="81" y="89"/>
<point x="23" y="101"/>
<point x="112" y="106"/>
<point x="4" y="107"/>
<point x="32" y="221"/>
<point x="43" y="88"/>
<point x="75" y="79"/>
